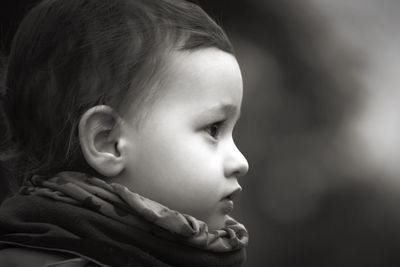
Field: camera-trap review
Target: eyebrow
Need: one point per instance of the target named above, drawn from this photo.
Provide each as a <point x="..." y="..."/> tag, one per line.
<point x="225" y="108"/>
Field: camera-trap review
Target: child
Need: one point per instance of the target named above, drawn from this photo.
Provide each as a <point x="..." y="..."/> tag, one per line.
<point x="121" y="115"/>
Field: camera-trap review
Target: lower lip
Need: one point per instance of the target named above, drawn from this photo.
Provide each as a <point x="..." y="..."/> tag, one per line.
<point x="227" y="205"/>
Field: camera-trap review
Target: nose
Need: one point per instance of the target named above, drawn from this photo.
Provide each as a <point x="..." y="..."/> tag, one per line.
<point x="236" y="164"/>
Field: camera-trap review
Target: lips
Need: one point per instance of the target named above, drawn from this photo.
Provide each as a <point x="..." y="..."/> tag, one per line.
<point x="227" y="205"/>
<point x="233" y="194"/>
<point x="227" y="200"/>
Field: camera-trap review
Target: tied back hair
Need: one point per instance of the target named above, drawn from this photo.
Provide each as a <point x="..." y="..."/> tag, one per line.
<point x="68" y="56"/>
<point x="7" y="185"/>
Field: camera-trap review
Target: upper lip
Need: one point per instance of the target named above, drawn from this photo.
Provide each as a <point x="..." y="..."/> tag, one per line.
<point x="233" y="194"/>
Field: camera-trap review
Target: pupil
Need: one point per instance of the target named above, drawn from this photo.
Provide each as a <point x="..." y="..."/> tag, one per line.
<point x="214" y="130"/>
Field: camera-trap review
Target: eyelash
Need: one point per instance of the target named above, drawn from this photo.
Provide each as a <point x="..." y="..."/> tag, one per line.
<point x="215" y="129"/>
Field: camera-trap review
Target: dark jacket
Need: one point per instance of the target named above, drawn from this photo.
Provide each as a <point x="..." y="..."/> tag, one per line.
<point x="22" y="257"/>
<point x="34" y="231"/>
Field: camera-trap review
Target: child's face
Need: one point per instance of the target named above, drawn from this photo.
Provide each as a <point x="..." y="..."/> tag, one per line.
<point x="183" y="154"/>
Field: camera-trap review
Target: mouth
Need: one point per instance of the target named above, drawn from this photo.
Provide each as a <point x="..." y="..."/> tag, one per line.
<point x="227" y="201"/>
<point x="232" y="195"/>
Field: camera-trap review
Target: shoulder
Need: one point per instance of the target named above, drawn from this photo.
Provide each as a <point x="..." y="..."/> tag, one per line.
<point x="25" y="257"/>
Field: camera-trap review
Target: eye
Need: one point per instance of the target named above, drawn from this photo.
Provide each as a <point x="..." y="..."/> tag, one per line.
<point x="215" y="129"/>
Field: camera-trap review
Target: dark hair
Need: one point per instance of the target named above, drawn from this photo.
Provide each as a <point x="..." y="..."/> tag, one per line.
<point x="68" y="56"/>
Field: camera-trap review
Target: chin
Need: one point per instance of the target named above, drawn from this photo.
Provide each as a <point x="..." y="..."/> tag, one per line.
<point x="217" y="222"/>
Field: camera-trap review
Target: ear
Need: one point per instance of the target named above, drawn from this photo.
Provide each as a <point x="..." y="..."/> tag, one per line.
<point x="100" y="140"/>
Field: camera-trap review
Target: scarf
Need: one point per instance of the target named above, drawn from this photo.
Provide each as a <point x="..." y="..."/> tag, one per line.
<point x="83" y="214"/>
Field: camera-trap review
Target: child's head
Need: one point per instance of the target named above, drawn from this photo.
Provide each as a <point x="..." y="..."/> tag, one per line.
<point x="146" y="92"/>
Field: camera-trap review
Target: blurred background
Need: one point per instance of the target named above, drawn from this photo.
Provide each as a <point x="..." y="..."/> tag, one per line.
<point x="320" y="127"/>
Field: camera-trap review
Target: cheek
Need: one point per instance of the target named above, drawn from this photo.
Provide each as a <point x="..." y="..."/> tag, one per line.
<point x="180" y="159"/>
<point x="180" y="172"/>
<point x="176" y="150"/>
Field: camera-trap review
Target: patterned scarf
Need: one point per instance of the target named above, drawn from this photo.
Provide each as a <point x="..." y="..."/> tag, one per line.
<point x="114" y="212"/>
<point x="119" y="203"/>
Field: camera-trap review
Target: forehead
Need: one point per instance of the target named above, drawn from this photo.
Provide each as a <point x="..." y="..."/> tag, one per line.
<point x="209" y="77"/>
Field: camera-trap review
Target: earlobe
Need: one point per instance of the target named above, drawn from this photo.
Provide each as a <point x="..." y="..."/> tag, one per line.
<point x="99" y="137"/>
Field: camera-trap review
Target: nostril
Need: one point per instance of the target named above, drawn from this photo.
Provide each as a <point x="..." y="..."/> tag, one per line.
<point x="236" y="168"/>
<point x="243" y="169"/>
<point x="236" y="164"/>
<point x="243" y="164"/>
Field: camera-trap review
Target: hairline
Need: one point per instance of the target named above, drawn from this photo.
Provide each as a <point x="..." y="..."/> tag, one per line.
<point x="153" y="91"/>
